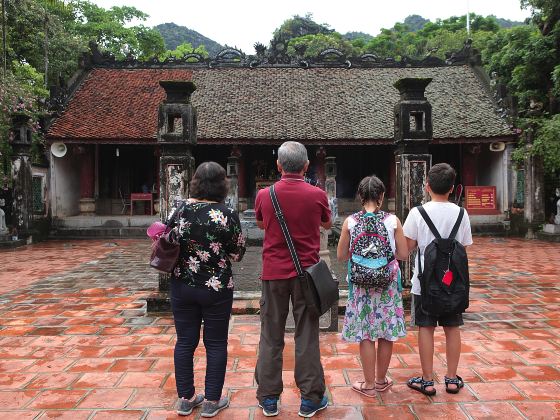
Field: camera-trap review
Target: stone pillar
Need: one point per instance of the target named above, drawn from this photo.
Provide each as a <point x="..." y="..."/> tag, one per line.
<point x="534" y="194"/>
<point x="241" y="179"/>
<point x="176" y="136"/>
<point x="87" y="179"/>
<point x="413" y="133"/>
<point x="328" y="176"/>
<point x="330" y="185"/>
<point x="22" y="192"/>
<point x="232" y="199"/>
<point x="321" y="155"/>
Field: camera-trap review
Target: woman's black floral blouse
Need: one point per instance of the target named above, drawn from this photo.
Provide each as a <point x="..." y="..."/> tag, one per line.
<point x="210" y="236"/>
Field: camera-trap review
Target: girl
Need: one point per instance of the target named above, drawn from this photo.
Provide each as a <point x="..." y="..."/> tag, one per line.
<point x="372" y="241"/>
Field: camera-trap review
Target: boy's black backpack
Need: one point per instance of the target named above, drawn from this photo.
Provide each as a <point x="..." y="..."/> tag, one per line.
<point x="442" y="255"/>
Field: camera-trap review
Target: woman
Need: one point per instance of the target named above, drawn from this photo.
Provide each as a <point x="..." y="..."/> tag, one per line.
<point x="373" y="238"/>
<point x="202" y="286"/>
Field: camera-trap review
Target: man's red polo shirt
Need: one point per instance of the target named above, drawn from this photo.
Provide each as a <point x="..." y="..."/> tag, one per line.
<point x="304" y="207"/>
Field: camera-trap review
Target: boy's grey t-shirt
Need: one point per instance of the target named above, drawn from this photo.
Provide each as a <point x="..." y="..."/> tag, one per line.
<point x="444" y="216"/>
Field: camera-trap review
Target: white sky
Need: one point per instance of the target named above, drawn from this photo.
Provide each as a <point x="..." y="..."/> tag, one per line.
<point x="241" y="23"/>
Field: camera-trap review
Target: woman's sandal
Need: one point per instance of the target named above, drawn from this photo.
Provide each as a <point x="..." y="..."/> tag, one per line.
<point x="359" y="388"/>
<point x="383" y="386"/>
<point x="458" y="382"/>
<point x="419" y="384"/>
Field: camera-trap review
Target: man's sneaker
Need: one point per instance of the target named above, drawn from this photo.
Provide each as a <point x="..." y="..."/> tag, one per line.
<point x="210" y="408"/>
<point x="185" y="407"/>
<point x="308" y="408"/>
<point x="269" y="406"/>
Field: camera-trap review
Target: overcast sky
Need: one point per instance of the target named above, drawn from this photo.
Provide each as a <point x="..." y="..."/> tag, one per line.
<point x="241" y="23"/>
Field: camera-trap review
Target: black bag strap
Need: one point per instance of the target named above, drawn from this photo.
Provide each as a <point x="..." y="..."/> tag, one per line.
<point x="285" y="231"/>
<point x="430" y="224"/>
<point x="419" y="262"/>
<point x="455" y="229"/>
<point x="428" y="221"/>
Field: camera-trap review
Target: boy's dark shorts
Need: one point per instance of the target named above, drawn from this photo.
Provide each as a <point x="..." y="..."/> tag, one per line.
<point x="421" y="319"/>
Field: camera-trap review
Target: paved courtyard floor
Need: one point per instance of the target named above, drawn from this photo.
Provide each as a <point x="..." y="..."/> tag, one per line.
<point x="76" y="342"/>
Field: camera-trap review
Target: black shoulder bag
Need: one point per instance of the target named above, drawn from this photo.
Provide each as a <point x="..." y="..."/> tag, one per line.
<point x="319" y="287"/>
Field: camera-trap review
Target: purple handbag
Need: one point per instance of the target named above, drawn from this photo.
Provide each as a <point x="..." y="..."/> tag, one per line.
<point x="166" y="248"/>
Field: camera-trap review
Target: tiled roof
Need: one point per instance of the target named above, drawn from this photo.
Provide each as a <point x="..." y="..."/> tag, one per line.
<point x="276" y="104"/>
<point x="115" y="104"/>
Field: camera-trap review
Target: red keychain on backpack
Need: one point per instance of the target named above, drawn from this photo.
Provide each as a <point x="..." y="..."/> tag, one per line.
<point x="448" y="275"/>
<point x="447" y="278"/>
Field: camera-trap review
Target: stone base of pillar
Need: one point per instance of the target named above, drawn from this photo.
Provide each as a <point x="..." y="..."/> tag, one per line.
<point x="87" y="205"/>
<point x="243" y="204"/>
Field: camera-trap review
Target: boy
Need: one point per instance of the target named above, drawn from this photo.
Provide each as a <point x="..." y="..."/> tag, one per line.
<point x="441" y="179"/>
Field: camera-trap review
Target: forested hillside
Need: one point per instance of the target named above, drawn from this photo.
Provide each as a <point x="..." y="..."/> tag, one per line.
<point x="175" y="35"/>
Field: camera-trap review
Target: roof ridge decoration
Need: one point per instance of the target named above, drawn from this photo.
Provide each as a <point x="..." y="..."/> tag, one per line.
<point x="264" y="57"/>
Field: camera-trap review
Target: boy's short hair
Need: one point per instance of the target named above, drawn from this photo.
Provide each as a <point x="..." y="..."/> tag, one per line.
<point x="441" y="178"/>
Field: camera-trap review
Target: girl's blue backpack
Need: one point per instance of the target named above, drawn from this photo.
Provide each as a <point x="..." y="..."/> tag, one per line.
<point x="370" y="251"/>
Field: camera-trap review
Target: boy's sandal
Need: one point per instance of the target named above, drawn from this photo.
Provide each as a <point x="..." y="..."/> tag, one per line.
<point x="383" y="386"/>
<point x="458" y="382"/>
<point x="367" y="392"/>
<point x="419" y="384"/>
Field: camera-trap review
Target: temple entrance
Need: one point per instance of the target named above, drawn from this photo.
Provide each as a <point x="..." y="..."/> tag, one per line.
<point x="128" y="181"/>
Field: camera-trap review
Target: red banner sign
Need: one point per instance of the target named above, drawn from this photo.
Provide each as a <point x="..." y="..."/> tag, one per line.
<point x="481" y="198"/>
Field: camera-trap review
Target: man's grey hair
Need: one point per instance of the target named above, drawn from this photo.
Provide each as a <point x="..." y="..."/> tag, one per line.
<point x="292" y="156"/>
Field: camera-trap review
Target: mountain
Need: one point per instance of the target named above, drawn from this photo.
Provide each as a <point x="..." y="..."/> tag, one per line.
<point x="506" y="23"/>
<point x="351" y="36"/>
<point x="415" y="22"/>
<point x="175" y="35"/>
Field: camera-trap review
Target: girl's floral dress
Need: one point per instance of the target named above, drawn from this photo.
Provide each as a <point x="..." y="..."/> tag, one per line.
<point x="210" y="236"/>
<point x="371" y="313"/>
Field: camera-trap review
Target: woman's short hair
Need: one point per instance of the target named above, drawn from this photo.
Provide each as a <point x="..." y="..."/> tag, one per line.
<point x="372" y="189"/>
<point x="209" y="182"/>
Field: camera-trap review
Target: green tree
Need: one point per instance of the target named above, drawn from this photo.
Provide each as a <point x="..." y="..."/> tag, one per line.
<point x="295" y="27"/>
<point x="182" y="50"/>
<point x="314" y="44"/>
<point x="109" y="29"/>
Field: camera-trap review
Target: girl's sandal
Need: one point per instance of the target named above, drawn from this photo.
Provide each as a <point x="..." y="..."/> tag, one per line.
<point x="419" y="384"/>
<point x="366" y="392"/>
<point x="383" y="386"/>
<point x="458" y="382"/>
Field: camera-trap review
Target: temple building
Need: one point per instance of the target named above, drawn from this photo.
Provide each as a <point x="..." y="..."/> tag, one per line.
<point x="341" y="109"/>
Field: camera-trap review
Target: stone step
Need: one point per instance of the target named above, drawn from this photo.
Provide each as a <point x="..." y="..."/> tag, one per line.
<point x="98" y="232"/>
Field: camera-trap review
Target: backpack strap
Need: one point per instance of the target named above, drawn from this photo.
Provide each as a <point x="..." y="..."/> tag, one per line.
<point x="457" y="224"/>
<point x="429" y="222"/>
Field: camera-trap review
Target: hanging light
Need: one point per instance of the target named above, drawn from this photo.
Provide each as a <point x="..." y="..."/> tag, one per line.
<point x="117" y="152"/>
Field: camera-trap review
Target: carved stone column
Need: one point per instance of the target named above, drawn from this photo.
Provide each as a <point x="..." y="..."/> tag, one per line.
<point x="176" y="137"/>
<point x="22" y="192"/>
<point x="413" y="133"/>
<point x="321" y="156"/>
<point x="241" y="179"/>
<point x="534" y="194"/>
<point x="232" y="199"/>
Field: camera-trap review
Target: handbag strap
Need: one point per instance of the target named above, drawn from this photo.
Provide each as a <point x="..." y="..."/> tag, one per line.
<point x="175" y="215"/>
<point x="285" y="231"/>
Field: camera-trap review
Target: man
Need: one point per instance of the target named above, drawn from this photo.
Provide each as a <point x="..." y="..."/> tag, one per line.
<point x="305" y="208"/>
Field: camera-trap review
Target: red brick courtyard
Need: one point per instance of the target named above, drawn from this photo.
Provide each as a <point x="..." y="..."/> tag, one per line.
<point x="76" y="342"/>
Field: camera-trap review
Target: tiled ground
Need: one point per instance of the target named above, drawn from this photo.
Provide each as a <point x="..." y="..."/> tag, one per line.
<point x="75" y="342"/>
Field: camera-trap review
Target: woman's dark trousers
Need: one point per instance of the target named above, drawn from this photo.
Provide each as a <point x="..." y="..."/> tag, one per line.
<point x="190" y="307"/>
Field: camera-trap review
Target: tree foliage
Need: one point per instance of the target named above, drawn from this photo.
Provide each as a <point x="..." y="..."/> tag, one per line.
<point x="182" y="50"/>
<point x="110" y="29"/>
